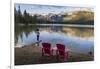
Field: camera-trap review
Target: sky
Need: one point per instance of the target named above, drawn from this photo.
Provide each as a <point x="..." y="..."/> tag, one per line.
<point x="45" y="9"/>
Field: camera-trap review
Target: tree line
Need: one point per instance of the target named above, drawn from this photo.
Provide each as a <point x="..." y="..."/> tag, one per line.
<point x="24" y="18"/>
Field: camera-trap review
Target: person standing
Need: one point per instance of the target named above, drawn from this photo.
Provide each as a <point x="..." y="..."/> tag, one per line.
<point x="38" y="35"/>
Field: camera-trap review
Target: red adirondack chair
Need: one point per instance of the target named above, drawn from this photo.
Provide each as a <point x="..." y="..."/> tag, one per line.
<point x="46" y="50"/>
<point x="60" y="52"/>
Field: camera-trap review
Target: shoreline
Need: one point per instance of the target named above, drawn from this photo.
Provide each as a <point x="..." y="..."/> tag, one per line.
<point x="65" y="25"/>
<point x="33" y="55"/>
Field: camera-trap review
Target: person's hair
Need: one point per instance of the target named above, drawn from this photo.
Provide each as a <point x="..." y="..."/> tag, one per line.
<point x="37" y="29"/>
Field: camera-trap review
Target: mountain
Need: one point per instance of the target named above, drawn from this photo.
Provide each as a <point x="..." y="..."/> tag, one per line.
<point x="80" y="17"/>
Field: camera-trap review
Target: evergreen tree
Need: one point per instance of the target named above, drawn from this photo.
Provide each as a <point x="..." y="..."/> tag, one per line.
<point x="19" y="15"/>
<point x="26" y="17"/>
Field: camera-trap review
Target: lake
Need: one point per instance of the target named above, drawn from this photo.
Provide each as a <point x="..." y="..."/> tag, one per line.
<point x="78" y="38"/>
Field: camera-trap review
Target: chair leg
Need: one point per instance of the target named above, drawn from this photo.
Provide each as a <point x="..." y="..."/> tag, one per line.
<point x="57" y="55"/>
<point x="42" y="52"/>
<point x="49" y="56"/>
<point x="58" y="58"/>
<point x="66" y="57"/>
<point x="52" y="52"/>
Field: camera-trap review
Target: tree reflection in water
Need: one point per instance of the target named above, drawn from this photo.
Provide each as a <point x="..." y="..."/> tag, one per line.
<point x="24" y="31"/>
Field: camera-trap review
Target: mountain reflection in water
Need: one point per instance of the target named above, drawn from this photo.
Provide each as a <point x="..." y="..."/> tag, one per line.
<point x="77" y="39"/>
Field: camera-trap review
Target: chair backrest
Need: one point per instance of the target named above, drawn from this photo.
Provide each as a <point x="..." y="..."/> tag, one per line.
<point x="46" y="47"/>
<point x="61" y="49"/>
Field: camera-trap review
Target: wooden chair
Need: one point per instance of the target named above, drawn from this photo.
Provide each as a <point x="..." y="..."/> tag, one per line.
<point x="46" y="50"/>
<point x="60" y="52"/>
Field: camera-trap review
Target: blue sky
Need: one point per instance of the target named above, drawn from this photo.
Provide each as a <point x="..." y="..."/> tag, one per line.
<point x="45" y="9"/>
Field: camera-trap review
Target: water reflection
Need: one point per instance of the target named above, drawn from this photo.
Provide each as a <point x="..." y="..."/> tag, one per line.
<point x="80" y="32"/>
<point x="76" y="39"/>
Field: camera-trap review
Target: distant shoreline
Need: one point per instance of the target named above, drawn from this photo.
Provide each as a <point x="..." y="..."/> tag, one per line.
<point x="65" y="25"/>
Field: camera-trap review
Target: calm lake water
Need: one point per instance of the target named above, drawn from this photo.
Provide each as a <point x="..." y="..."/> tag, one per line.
<point x="77" y="39"/>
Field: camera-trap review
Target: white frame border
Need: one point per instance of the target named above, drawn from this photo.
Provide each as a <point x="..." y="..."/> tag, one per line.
<point x="39" y="66"/>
